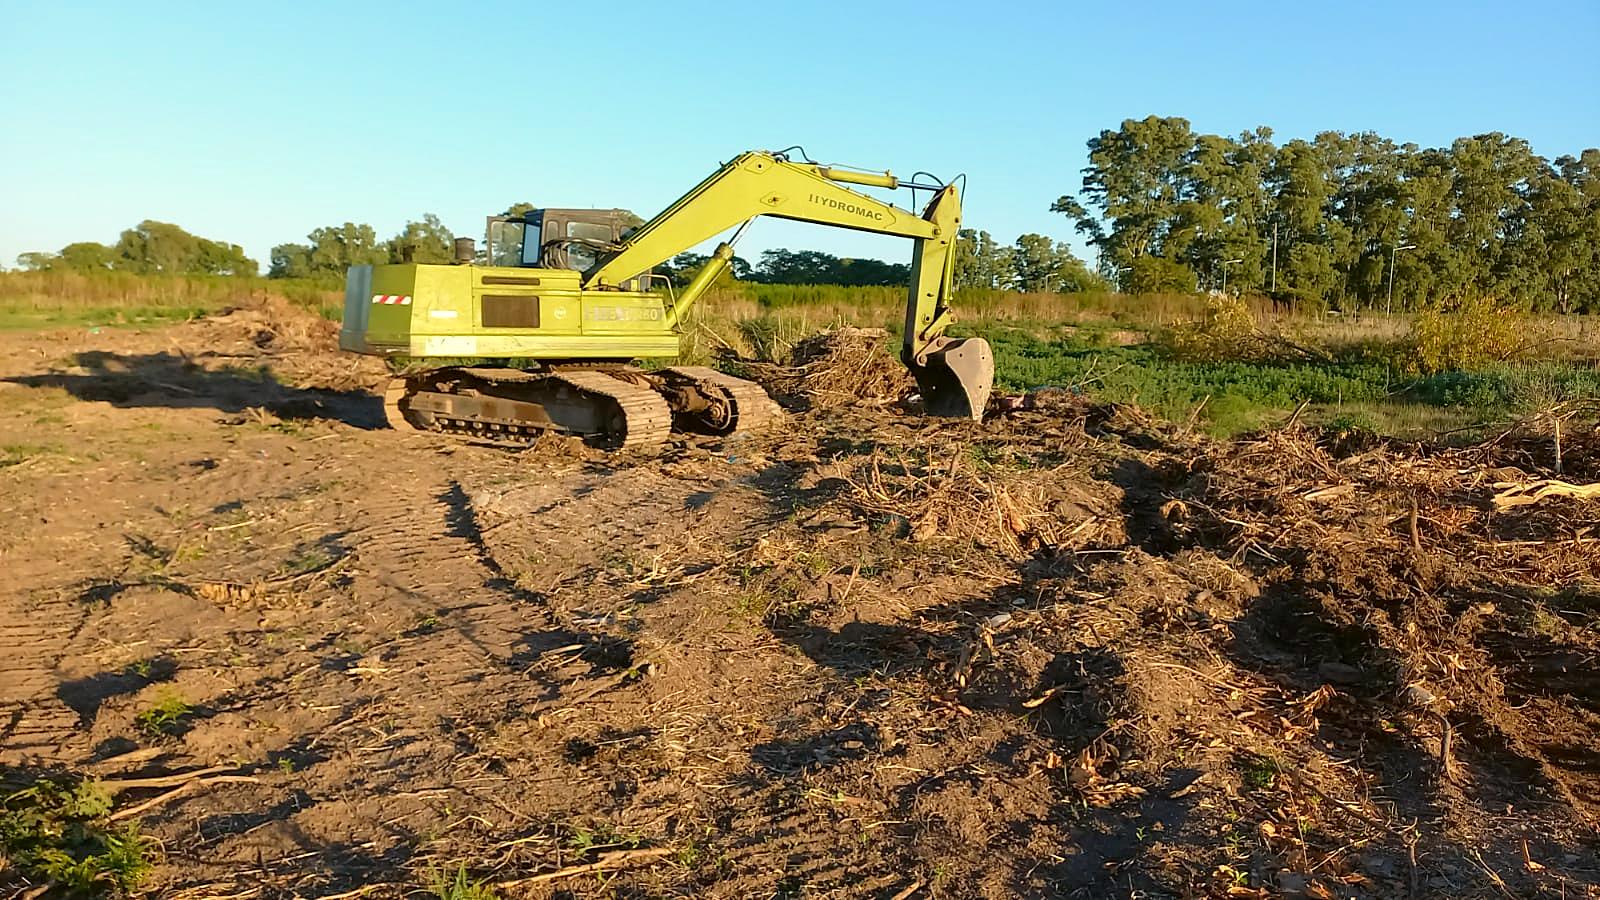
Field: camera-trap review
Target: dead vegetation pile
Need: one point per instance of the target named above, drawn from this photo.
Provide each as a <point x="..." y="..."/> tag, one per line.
<point x="1294" y="664"/>
<point x="301" y="346"/>
<point x="846" y="366"/>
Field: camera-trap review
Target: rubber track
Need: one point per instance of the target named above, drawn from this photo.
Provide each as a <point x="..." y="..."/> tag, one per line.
<point x="753" y="409"/>
<point x="396" y="391"/>
<point x="648" y="418"/>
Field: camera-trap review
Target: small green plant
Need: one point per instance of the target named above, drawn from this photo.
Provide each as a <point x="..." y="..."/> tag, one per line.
<point x="688" y="855"/>
<point x="162" y="717"/>
<point x="1257" y="772"/>
<point x="459" y="886"/>
<point x="1546" y="623"/>
<point x="286" y="765"/>
<point x="582" y="839"/>
<point x="188" y="552"/>
<point x="308" y="560"/>
<point x="16" y="454"/>
<point x="55" y="832"/>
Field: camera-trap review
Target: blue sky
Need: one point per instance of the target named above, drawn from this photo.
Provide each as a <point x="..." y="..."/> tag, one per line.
<point x="256" y="123"/>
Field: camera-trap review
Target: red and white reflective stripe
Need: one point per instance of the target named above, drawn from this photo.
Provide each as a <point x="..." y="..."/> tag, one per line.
<point x="392" y="299"/>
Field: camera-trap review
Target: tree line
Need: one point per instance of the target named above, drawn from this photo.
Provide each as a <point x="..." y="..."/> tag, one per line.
<point x="148" y="247"/>
<point x="1341" y="219"/>
<point x="1348" y="220"/>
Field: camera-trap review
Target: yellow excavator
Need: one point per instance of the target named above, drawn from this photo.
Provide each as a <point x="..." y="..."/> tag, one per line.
<point x="563" y="302"/>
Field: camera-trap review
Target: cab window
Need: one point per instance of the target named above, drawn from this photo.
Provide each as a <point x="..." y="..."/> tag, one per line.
<point x="505" y="243"/>
<point x="589" y="231"/>
<point x="584" y="256"/>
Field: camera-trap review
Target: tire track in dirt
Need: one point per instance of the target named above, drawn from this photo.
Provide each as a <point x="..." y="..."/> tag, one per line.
<point x="583" y="539"/>
<point x="35" y="633"/>
<point x="421" y="548"/>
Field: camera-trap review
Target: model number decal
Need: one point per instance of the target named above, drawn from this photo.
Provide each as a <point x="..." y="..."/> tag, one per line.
<point x="622" y="314"/>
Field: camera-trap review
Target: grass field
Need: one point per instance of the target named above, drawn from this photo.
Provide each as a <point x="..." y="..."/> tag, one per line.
<point x="1106" y="345"/>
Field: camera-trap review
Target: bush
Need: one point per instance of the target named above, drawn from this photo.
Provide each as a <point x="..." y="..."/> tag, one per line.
<point x="1467" y="334"/>
<point x="1225" y="331"/>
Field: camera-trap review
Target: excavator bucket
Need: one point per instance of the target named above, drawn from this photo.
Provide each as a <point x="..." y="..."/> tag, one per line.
<point x="955" y="378"/>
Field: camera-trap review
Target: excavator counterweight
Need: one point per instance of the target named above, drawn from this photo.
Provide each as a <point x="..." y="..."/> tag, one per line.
<point x="566" y="293"/>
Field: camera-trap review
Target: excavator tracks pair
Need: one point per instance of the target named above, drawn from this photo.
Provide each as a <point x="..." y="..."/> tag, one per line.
<point x="620" y="407"/>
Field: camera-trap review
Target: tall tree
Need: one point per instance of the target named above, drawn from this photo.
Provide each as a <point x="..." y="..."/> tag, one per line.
<point x="427" y="241"/>
<point x="1042" y="264"/>
<point x="152" y="247"/>
<point x="981" y="261"/>
<point x="1341" y="218"/>
<point x="1135" y="177"/>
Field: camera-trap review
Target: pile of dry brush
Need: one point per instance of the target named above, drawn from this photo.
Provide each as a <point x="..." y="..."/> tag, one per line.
<point x="842" y="367"/>
<point x="1408" y="604"/>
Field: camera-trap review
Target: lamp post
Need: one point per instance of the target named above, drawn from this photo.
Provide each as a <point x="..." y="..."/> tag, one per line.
<point x="1225" y="264"/>
<point x="1388" y="306"/>
<point x="1274" y="258"/>
<point x="1116" y="276"/>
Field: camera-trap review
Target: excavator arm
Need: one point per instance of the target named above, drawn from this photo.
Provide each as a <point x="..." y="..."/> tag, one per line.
<point x="955" y="375"/>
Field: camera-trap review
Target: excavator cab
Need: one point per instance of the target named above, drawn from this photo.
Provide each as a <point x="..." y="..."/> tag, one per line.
<point x="574" y="239"/>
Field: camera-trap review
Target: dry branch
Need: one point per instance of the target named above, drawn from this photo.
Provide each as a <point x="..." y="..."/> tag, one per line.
<point x="1513" y="495"/>
<point x="606" y="861"/>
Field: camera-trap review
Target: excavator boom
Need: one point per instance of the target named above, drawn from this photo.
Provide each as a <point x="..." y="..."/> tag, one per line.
<point x="955" y="376"/>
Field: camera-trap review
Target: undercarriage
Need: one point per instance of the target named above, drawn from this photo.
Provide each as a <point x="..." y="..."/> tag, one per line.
<point x="614" y="405"/>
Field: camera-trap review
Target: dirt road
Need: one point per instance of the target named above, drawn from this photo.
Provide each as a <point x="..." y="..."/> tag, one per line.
<point x="1067" y="653"/>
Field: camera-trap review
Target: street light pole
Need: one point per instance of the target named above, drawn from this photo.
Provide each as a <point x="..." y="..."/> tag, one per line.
<point x="1116" y="276"/>
<point x="1225" y="264"/>
<point x="1388" y="306"/>
<point x="1274" y="256"/>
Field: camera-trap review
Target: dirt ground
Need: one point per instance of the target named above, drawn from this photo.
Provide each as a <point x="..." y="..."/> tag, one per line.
<point x="1068" y="652"/>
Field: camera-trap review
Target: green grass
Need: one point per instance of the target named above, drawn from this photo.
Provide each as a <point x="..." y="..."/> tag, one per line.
<point x="23" y="319"/>
<point x="1232" y="397"/>
<point x="1257" y="772"/>
<point x="55" y="832"/>
<point x="38" y="300"/>
<point x="16" y="454"/>
<point x="459" y="886"/>
<point x="1078" y="341"/>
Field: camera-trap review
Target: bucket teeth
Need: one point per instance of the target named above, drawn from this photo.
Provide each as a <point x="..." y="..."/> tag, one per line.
<point x="956" y="378"/>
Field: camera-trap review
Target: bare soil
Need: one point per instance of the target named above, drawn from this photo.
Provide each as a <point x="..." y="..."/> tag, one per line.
<point x="1068" y="652"/>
